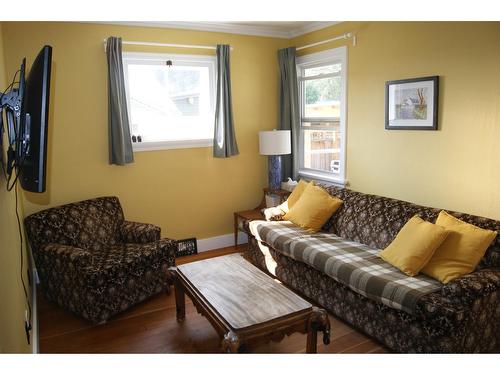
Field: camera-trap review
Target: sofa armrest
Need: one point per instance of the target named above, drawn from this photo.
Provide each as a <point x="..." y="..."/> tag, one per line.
<point x="67" y="258"/>
<point x="132" y="232"/>
<point x="169" y="246"/>
<point x="473" y="286"/>
<point x="274" y="214"/>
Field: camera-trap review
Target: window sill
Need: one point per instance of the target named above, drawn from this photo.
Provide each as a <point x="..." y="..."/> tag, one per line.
<point x="327" y="178"/>
<point x="170" y="145"/>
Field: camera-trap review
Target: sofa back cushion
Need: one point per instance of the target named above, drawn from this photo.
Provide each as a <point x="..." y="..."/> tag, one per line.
<point x="313" y="209"/>
<point x="91" y="224"/>
<point x="375" y="221"/>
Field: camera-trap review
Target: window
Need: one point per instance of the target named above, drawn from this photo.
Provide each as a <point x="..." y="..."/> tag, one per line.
<point x="322" y="95"/>
<point x="170" y="105"/>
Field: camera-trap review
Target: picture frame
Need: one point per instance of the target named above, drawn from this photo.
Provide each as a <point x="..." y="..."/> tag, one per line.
<point x="412" y="104"/>
<point x="186" y="246"/>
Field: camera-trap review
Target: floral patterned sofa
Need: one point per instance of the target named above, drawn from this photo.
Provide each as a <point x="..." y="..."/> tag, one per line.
<point x="94" y="263"/>
<point x="462" y="316"/>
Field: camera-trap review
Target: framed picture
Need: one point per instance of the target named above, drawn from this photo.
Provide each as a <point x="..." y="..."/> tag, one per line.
<point x="186" y="247"/>
<point x="412" y="104"/>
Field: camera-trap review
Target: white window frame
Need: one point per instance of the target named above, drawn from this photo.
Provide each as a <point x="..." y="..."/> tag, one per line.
<point x="331" y="56"/>
<point x="160" y="59"/>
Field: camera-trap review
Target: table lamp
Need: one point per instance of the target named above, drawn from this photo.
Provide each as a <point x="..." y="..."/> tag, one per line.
<point x="274" y="143"/>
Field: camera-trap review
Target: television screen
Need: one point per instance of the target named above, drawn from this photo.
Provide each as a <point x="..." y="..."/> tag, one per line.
<point x="32" y="152"/>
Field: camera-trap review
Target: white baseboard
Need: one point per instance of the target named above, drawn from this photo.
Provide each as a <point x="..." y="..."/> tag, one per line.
<point x="218" y="242"/>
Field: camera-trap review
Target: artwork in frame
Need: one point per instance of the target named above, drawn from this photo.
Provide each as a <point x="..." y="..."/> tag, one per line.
<point x="186" y="247"/>
<point x="412" y="104"/>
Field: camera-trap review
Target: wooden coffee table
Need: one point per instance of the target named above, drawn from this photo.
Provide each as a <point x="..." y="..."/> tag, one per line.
<point x="245" y="305"/>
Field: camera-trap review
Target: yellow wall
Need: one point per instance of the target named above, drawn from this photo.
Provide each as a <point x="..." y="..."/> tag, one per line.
<point x="190" y="193"/>
<point x="187" y="192"/>
<point x="12" y="301"/>
<point x="457" y="167"/>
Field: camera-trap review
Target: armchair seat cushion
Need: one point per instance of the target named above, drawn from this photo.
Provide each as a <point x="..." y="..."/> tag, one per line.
<point x="134" y="258"/>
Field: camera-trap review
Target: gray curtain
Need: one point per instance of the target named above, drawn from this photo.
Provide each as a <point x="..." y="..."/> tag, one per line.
<point x="120" y="144"/>
<point x="224" y="137"/>
<point x="289" y="109"/>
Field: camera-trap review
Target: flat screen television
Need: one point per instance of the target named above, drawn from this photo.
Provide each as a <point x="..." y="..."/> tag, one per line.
<point x="26" y="107"/>
<point x="31" y="151"/>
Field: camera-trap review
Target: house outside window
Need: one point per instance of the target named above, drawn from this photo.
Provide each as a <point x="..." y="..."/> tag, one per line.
<point x="170" y="100"/>
<point x="322" y="96"/>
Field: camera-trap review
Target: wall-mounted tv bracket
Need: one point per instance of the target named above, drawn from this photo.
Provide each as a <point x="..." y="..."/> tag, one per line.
<point x="11" y="103"/>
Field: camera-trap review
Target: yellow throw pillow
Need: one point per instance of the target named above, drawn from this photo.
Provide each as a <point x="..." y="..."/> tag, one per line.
<point x="313" y="209"/>
<point x="462" y="250"/>
<point x="296" y="193"/>
<point x="414" y="245"/>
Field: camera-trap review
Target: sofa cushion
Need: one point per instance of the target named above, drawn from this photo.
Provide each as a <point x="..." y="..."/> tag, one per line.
<point x="462" y="250"/>
<point x="353" y="264"/>
<point x="297" y="193"/>
<point x="314" y="207"/>
<point x="414" y="245"/>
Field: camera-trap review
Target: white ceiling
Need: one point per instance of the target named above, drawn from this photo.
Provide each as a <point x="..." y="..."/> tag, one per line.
<point x="277" y="29"/>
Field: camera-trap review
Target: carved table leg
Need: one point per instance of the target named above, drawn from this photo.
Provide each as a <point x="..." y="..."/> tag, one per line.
<point x="231" y="343"/>
<point x="312" y="338"/>
<point x="318" y="321"/>
<point x="235" y="229"/>
<point x="180" y="303"/>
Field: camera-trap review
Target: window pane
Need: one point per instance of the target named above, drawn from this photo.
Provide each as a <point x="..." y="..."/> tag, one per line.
<point x="322" y="97"/>
<point x="184" y="90"/>
<point x="324" y="124"/>
<point x="170" y="103"/>
<point x="322" y="149"/>
<point x="325" y="69"/>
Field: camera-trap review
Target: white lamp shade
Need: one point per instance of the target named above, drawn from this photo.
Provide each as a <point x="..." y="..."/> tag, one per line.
<point x="275" y="142"/>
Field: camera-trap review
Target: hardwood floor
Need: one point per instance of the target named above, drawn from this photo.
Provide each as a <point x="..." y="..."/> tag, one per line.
<point x="151" y="327"/>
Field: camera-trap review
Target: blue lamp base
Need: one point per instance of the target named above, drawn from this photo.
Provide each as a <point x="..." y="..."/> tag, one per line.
<point x="274" y="163"/>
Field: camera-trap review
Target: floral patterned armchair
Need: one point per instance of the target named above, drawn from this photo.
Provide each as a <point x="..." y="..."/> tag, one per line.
<point x="94" y="263"/>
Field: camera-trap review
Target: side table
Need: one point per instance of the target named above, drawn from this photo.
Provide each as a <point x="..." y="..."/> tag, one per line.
<point x="256" y="214"/>
<point x="241" y="217"/>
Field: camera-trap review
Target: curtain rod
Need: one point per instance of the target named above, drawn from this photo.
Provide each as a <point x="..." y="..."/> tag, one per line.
<point x="343" y="36"/>
<point x="163" y="45"/>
